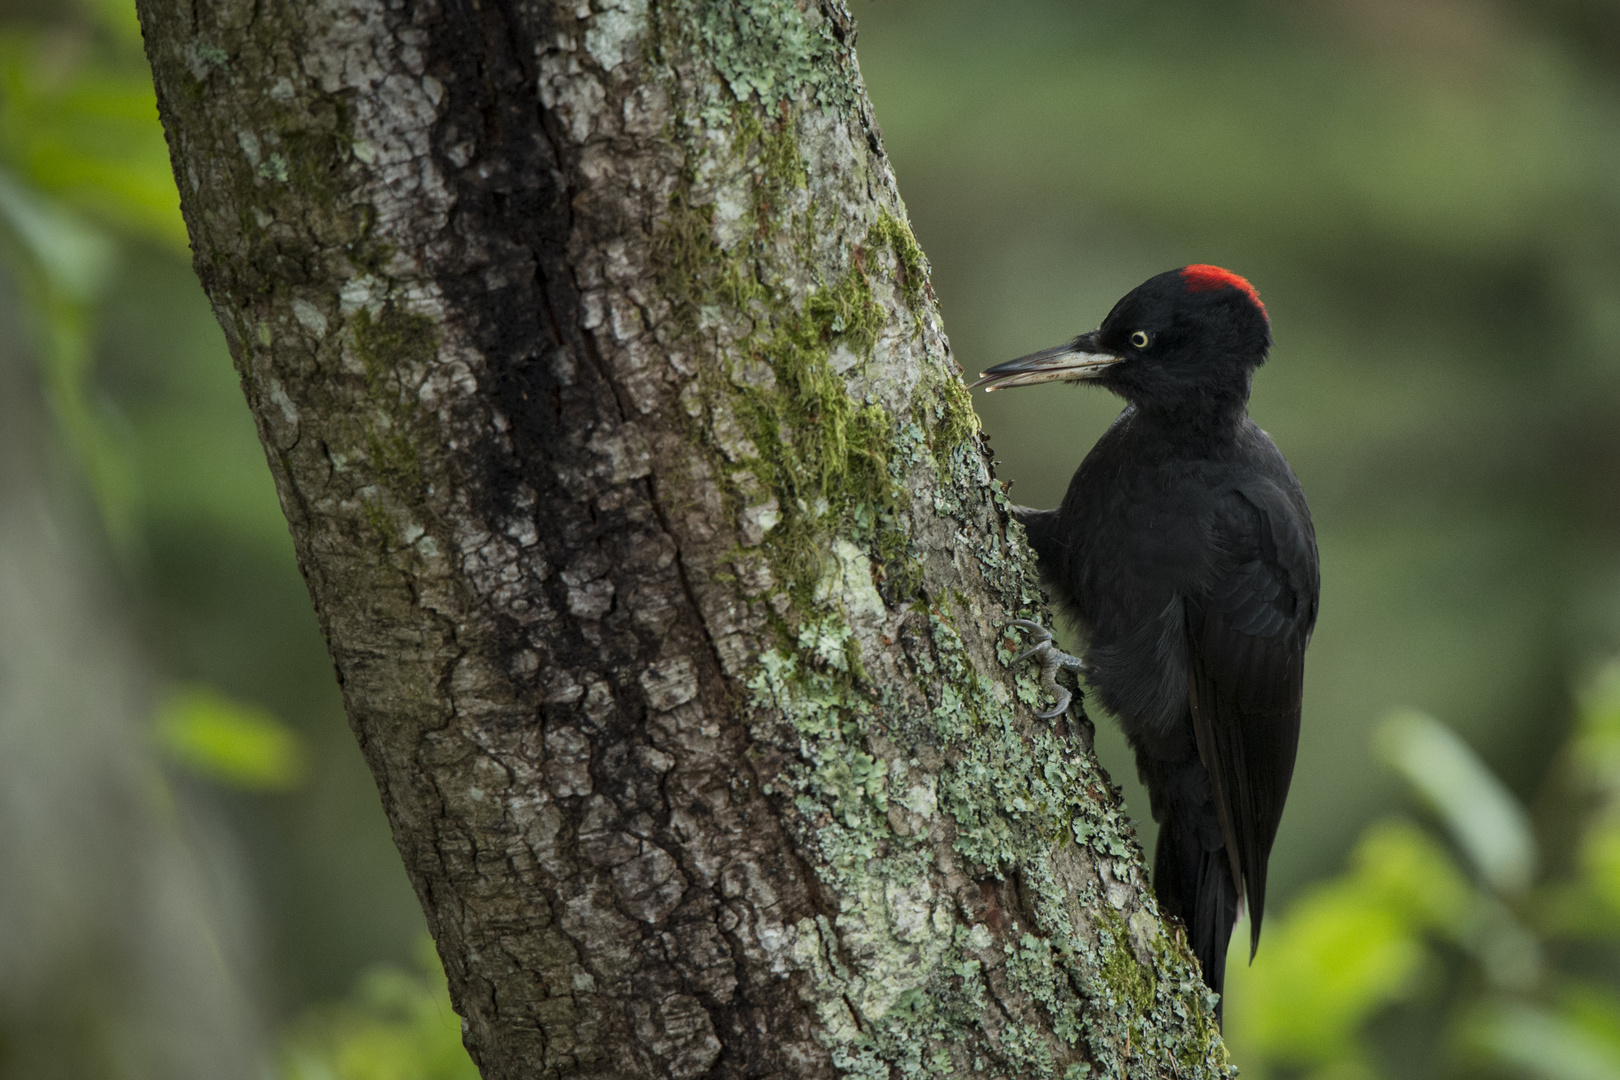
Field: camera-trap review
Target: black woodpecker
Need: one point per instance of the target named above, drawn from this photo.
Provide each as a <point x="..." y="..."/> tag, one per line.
<point x="1185" y="553"/>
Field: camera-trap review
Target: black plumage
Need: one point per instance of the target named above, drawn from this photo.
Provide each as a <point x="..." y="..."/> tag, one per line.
<point x="1185" y="552"/>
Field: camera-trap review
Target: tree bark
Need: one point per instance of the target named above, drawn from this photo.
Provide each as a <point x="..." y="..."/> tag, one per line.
<point x="648" y="524"/>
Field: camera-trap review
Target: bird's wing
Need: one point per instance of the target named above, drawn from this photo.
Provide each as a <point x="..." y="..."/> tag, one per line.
<point x="1247" y="632"/>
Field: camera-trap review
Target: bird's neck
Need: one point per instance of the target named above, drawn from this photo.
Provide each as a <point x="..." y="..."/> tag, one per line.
<point x="1208" y="416"/>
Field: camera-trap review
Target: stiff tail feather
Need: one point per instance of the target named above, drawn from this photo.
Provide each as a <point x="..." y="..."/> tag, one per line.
<point x="1194" y="884"/>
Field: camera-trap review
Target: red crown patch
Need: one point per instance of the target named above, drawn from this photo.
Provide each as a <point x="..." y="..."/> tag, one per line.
<point x="1201" y="277"/>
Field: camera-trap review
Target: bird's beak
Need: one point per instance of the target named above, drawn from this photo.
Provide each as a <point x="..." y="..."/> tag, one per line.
<point x="1080" y="359"/>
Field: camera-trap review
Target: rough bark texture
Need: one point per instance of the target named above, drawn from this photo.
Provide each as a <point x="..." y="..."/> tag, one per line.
<point x="647" y="521"/>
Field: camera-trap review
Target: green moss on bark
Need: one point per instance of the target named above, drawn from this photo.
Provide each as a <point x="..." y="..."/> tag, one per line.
<point x="822" y="455"/>
<point x="889" y="231"/>
<point x="830" y="476"/>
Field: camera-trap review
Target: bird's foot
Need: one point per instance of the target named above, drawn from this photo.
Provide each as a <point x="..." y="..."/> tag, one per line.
<point x="1052" y="660"/>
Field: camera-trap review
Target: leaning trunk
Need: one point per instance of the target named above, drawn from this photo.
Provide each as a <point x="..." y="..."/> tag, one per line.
<point x="657" y="552"/>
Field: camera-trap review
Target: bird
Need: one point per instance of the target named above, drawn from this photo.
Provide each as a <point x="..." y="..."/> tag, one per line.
<point x="1185" y="554"/>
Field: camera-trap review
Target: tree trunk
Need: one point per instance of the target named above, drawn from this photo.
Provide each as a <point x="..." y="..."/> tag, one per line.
<point x="649" y="528"/>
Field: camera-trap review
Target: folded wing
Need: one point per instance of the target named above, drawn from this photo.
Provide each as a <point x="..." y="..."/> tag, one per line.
<point x="1247" y="632"/>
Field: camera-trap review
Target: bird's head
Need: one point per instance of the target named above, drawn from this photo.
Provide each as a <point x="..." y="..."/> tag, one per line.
<point x="1187" y="338"/>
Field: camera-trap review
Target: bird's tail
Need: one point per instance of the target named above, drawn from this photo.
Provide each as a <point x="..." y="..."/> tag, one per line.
<point x="1193" y="880"/>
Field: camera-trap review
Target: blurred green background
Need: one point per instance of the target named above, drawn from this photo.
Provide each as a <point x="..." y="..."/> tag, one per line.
<point x="1427" y="195"/>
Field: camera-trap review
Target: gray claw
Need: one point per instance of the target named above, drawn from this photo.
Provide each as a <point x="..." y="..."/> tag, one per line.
<point x="1027" y="653"/>
<point x="1063" y="699"/>
<point x="1052" y="660"/>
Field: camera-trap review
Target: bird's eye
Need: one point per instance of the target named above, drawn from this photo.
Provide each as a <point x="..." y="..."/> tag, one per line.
<point x="1140" y="339"/>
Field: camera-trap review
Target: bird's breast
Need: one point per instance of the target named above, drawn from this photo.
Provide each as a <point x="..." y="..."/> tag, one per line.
<point x="1139" y="536"/>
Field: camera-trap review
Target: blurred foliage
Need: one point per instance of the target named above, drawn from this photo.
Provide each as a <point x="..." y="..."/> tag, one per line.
<point x="396" y="1025"/>
<point x="1344" y="950"/>
<point x="84" y="171"/>
<point x="1480" y="812"/>
<point x="1424" y="192"/>
<point x="80" y="152"/>
<point x="148" y="407"/>
<point x="230" y="741"/>
<point x="1512" y="970"/>
<point x="78" y="120"/>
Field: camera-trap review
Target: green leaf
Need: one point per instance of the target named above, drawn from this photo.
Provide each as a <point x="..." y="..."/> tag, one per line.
<point x="76" y="258"/>
<point x="1597" y="725"/>
<point x="80" y="123"/>
<point x="1338" y="956"/>
<point x="1485" y="819"/>
<point x="229" y="741"/>
<point x="397" y="1025"/>
<point x="1599" y="862"/>
<point x="1407" y="871"/>
<point x="1596" y="1010"/>
<point x="80" y="145"/>
<point x="1535" y="1042"/>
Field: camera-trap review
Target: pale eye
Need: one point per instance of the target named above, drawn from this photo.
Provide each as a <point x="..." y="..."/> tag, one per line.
<point x="1140" y="339"/>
